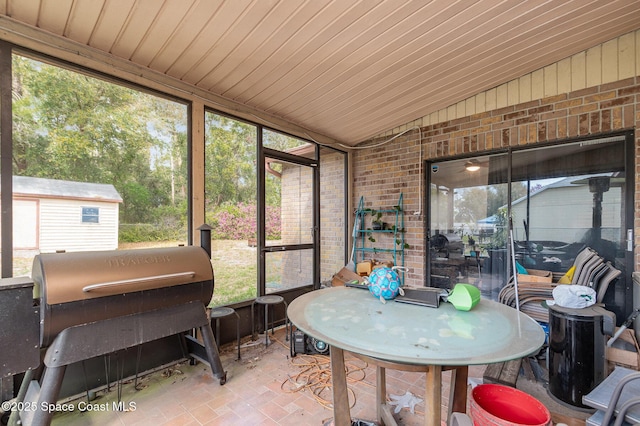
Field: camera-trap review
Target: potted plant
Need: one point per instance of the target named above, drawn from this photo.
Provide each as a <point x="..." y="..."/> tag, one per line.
<point x="376" y="223"/>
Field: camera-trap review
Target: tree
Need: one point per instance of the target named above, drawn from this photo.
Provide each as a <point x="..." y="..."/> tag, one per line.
<point x="471" y="204"/>
<point x="29" y="142"/>
<point x="497" y="195"/>
<point x="230" y="161"/>
<point x="71" y="126"/>
<point x="167" y="122"/>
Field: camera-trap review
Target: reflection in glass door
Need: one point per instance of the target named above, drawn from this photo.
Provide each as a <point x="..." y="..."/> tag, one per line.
<point x="467" y="224"/>
<point x="576" y="198"/>
<point x="563" y="198"/>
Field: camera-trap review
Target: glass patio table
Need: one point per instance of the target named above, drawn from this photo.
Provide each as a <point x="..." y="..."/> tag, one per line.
<point x="411" y="338"/>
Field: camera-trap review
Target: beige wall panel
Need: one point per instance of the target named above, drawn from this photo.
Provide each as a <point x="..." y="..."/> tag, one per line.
<point x="451" y="112"/>
<point x="525" y="88"/>
<point x="513" y="92"/>
<point x="481" y="102"/>
<point x="550" y="80"/>
<point x="537" y="84"/>
<point x="594" y="66"/>
<point x="579" y="71"/>
<point x="564" y="76"/>
<point x="461" y="109"/>
<point x="442" y="115"/>
<point x="433" y="117"/>
<point x="610" y="61"/>
<point x="490" y="99"/>
<point x="501" y="96"/>
<point x="471" y="106"/>
<point x="626" y="56"/>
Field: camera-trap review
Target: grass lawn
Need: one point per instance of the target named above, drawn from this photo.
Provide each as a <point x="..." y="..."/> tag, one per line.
<point x="235" y="270"/>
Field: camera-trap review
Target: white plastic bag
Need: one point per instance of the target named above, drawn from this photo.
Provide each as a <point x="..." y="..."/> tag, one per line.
<point x="574" y="296"/>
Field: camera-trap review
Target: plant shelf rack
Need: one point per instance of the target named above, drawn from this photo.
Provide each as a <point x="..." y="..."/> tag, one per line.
<point x="389" y="240"/>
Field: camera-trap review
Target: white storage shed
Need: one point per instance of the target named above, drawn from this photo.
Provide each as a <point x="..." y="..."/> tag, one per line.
<point x="51" y="215"/>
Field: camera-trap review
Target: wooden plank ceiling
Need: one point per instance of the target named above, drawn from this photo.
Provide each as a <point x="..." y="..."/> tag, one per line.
<point x="346" y="69"/>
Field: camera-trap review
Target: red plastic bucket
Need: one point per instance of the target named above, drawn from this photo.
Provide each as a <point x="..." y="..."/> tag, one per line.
<point x="498" y="405"/>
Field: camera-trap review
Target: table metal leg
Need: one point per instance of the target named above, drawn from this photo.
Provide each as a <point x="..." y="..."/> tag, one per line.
<point x="341" y="414"/>
<point x="433" y="396"/>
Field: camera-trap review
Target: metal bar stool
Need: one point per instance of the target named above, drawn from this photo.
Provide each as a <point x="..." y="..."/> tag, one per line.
<point x="266" y="301"/>
<point x="221" y="312"/>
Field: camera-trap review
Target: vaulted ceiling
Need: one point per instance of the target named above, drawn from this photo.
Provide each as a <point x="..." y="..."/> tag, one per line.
<point x="345" y="69"/>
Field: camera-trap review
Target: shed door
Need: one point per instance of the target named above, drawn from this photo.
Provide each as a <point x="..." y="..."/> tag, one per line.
<point x="25" y="224"/>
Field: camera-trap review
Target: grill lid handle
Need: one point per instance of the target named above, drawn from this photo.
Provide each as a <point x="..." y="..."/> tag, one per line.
<point x="136" y="281"/>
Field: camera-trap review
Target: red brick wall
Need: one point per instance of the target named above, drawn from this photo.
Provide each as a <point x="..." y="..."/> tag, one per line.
<point x="332" y="213"/>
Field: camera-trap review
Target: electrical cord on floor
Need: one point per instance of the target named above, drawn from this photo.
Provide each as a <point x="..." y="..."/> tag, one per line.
<point x="316" y="377"/>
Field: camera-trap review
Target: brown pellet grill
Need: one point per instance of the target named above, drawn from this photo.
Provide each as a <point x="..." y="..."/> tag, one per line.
<point x="97" y="303"/>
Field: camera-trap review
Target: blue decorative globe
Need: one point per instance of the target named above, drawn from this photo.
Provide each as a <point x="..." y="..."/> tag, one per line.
<point x="384" y="283"/>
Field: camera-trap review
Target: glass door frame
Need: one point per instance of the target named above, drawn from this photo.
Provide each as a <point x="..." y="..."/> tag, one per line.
<point x="263" y="249"/>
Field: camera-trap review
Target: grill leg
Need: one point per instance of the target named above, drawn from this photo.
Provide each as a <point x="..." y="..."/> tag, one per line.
<point x="212" y="353"/>
<point x="22" y="392"/>
<point x="51" y="383"/>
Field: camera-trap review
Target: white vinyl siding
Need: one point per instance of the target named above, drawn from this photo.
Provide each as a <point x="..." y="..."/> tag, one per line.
<point x="565" y="214"/>
<point x="61" y="226"/>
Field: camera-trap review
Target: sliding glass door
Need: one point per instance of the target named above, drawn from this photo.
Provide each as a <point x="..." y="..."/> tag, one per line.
<point x="558" y="199"/>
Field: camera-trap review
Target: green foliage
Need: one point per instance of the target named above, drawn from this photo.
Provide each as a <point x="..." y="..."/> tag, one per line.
<point x="74" y="127"/>
<point x="230" y="166"/>
<point x="473" y="204"/>
<point x="280" y="141"/>
<point x="137" y="198"/>
<point x="376" y="219"/>
<point x="501" y="233"/>
<point x="145" y="232"/>
<point x="238" y="222"/>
